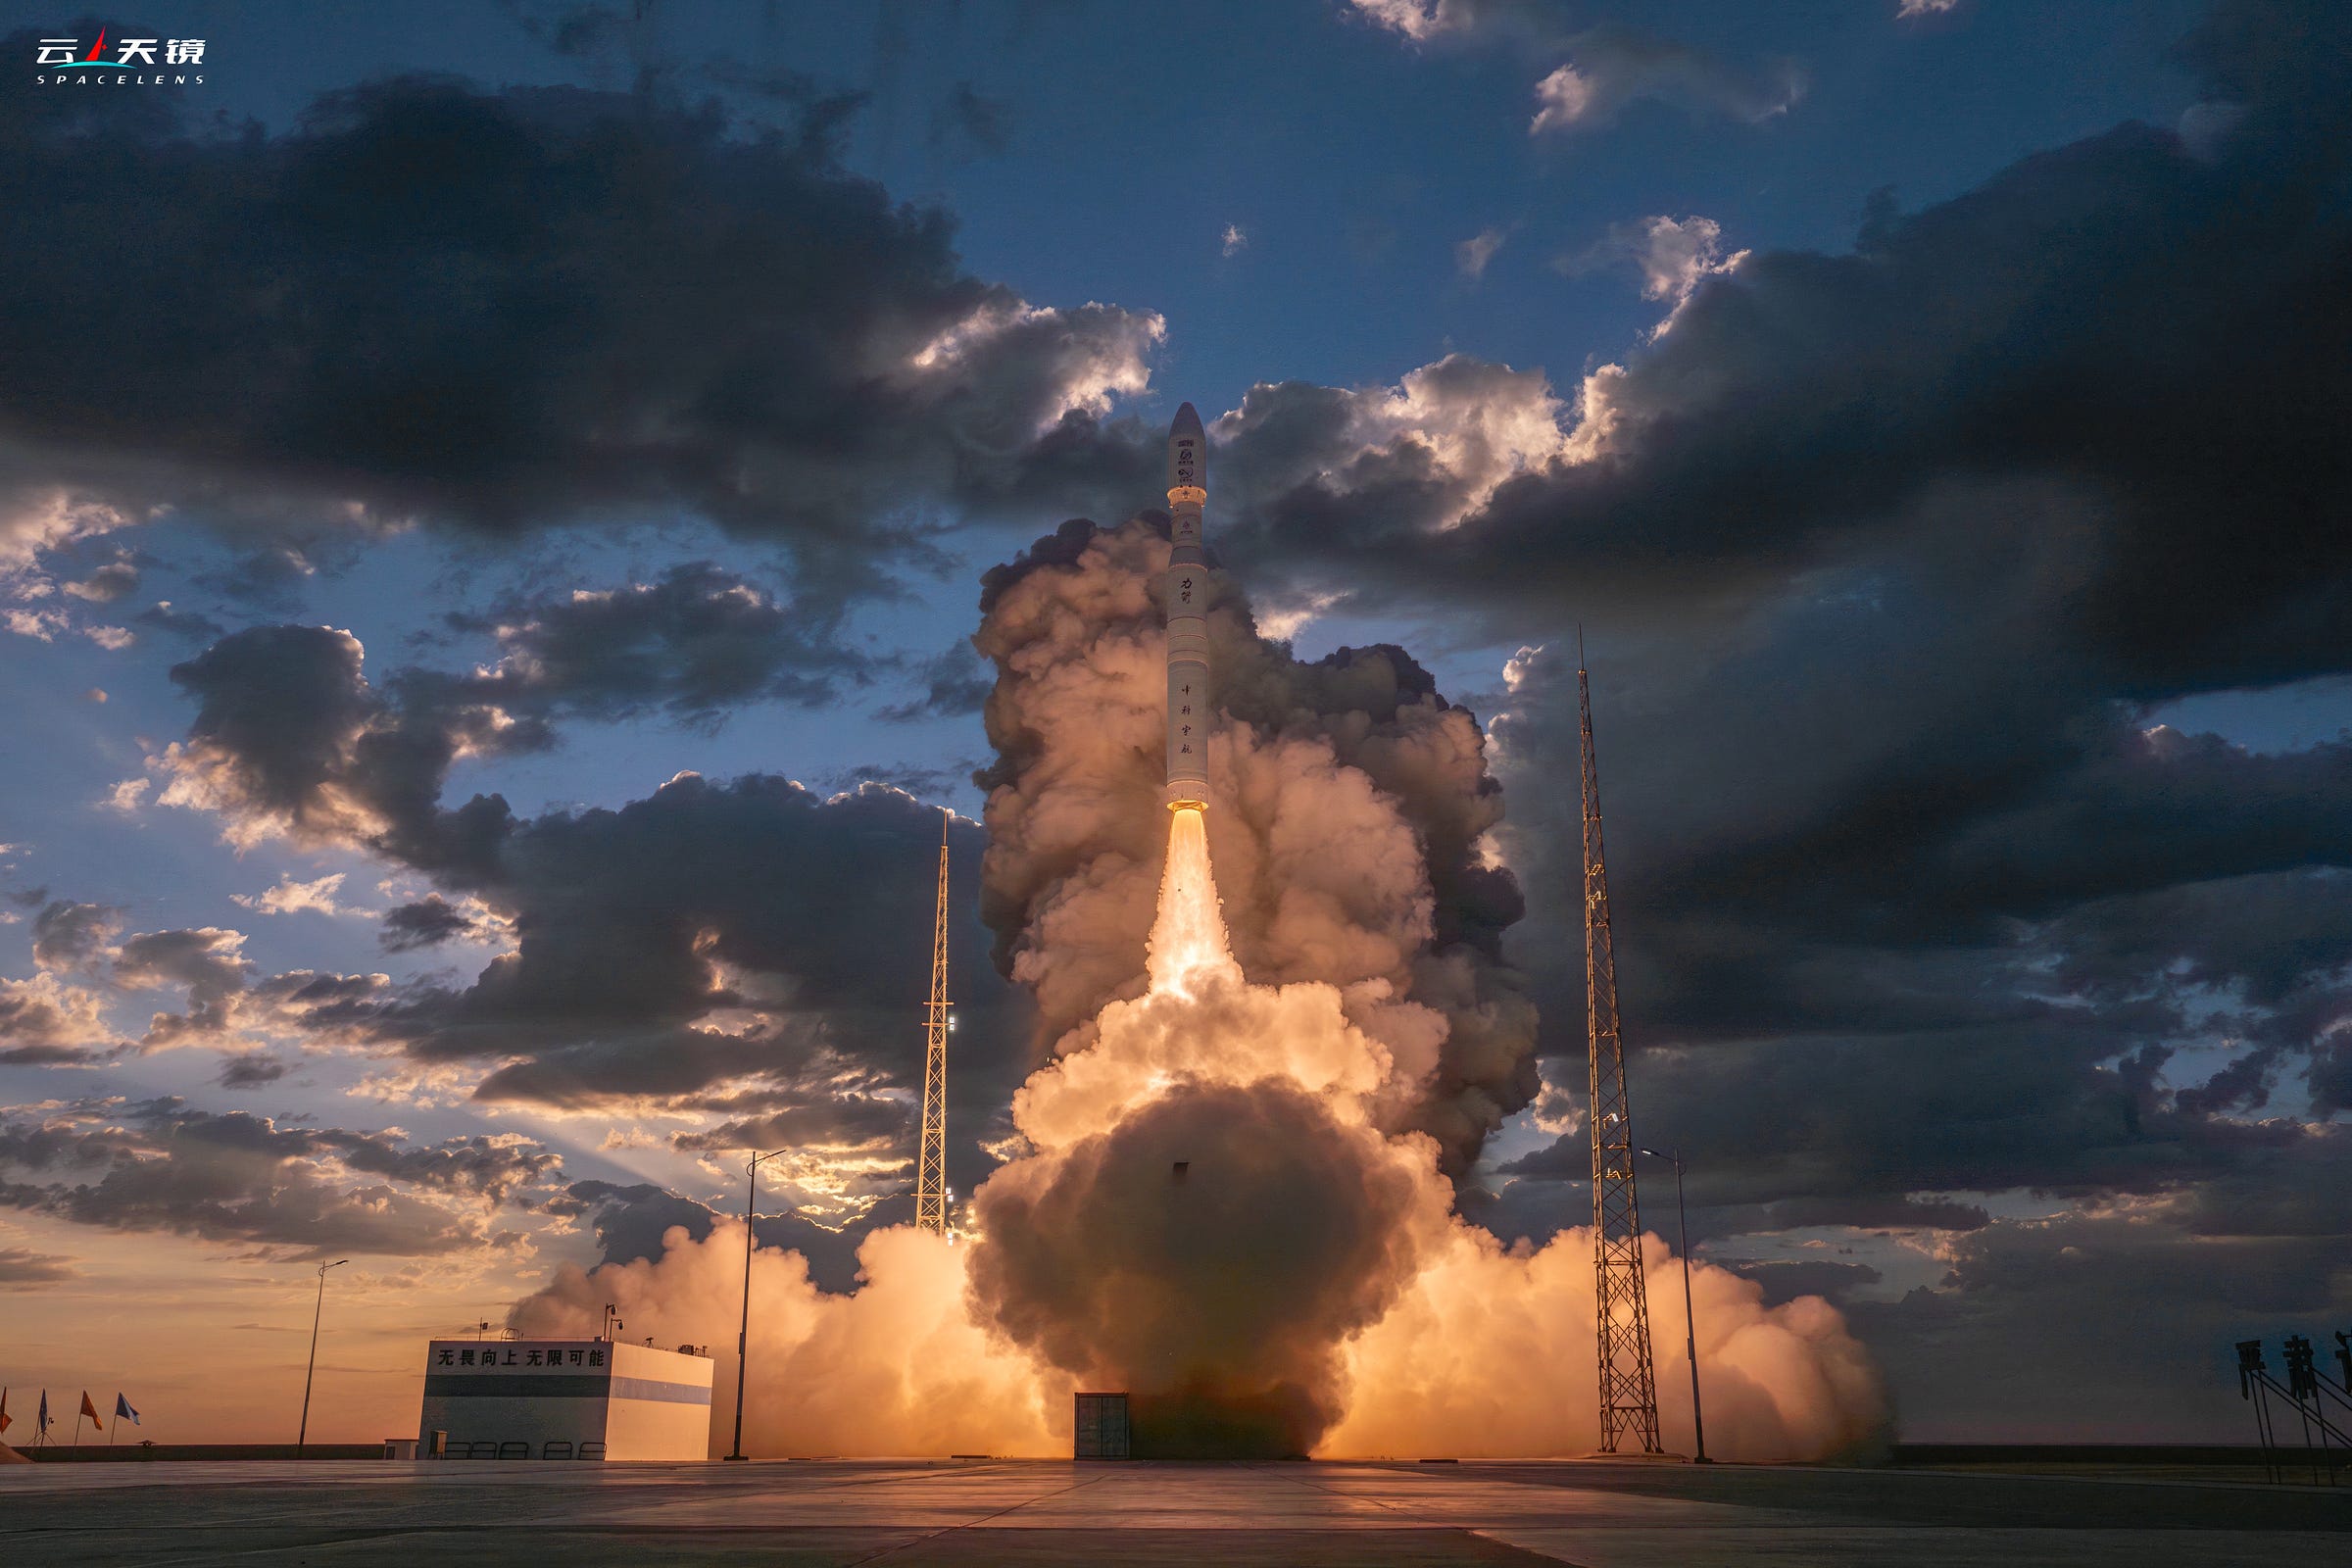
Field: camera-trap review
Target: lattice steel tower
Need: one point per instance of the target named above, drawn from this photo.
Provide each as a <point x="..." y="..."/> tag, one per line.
<point x="1629" y="1394"/>
<point x="931" y="1166"/>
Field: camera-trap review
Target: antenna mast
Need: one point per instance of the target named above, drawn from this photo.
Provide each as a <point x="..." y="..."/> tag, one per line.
<point x="931" y="1166"/>
<point x="1628" y="1396"/>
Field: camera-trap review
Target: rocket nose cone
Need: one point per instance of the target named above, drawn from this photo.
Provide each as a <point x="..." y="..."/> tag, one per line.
<point x="1188" y="452"/>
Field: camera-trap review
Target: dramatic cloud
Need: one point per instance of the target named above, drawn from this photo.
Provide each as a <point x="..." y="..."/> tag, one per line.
<point x="500" y="310"/>
<point x="161" y="1165"/>
<point x="107" y="584"/>
<point x="718" y="947"/>
<point x="1894" y="559"/>
<point x="426" y="923"/>
<point x="47" y="1023"/>
<point x="1673" y="256"/>
<point x="208" y="963"/>
<point x="698" y="644"/>
<point x="954" y="683"/>
<point x="1422" y="456"/>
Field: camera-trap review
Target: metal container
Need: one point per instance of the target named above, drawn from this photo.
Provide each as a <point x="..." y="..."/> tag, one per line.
<point x="1100" y="1431"/>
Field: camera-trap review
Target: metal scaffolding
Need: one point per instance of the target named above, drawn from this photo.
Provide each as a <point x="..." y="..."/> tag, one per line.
<point x="931" y="1166"/>
<point x="1628" y="1396"/>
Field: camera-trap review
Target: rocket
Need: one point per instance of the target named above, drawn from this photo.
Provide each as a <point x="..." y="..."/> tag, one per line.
<point x="1187" y="600"/>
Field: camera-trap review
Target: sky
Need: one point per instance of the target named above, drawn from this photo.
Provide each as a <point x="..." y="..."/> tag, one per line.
<point x="497" y="503"/>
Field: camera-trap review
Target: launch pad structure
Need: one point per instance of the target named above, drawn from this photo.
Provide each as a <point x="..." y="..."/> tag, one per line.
<point x="931" y="1166"/>
<point x="1629" y="1393"/>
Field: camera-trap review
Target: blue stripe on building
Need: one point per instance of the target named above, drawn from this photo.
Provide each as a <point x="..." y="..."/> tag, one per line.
<point x="558" y="1385"/>
<point x="666" y="1392"/>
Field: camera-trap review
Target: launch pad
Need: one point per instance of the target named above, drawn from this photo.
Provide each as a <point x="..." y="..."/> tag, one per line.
<point x="1234" y="1515"/>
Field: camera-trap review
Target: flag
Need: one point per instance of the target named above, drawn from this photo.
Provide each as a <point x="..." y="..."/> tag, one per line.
<point x="43" y="1427"/>
<point x="5" y="1417"/>
<point x="123" y="1408"/>
<point x="90" y="1410"/>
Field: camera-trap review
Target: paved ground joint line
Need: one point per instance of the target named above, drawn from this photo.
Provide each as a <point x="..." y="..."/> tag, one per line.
<point x="968" y="1523"/>
<point x="1301" y="1481"/>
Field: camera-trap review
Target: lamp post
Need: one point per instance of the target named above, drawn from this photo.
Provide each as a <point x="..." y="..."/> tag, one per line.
<point x="1681" y="1221"/>
<point x="742" y="1335"/>
<point x="319" y="1307"/>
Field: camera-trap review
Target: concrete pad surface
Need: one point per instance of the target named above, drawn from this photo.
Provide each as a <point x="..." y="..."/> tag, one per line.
<point x="838" y="1514"/>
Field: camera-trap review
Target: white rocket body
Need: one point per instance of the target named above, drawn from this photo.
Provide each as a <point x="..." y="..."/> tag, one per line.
<point x="1187" y="600"/>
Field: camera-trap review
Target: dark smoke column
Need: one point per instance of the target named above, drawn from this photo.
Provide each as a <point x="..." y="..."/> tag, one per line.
<point x="1188" y="632"/>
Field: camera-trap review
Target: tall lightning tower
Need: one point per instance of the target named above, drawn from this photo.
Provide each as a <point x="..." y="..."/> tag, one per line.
<point x="931" y="1166"/>
<point x="1629" y="1394"/>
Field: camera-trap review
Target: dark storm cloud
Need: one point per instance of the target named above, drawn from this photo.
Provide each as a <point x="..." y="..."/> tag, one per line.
<point x="206" y="962"/>
<point x="15" y="1023"/>
<point x="188" y="623"/>
<point x="107" y="584"/>
<point x="954" y="683"/>
<point x="2265" y="935"/>
<point x="1892" y="560"/>
<point x="280" y="711"/>
<point x="2130" y="1304"/>
<point x="250" y="1071"/>
<point x="697" y="644"/>
<point x="161" y="1165"/>
<point x="836" y="1120"/>
<point x="292" y="737"/>
<point x="68" y="934"/>
<point x="635" y="918"/>
<point x="2166" y="335"/>
<point x="1786" y="1279"/>
<point x="713" y="932"/>
<point x="503" y="309"/>
<point x="21" y="1267"/>
<point x="426" y="923"/>
<point x="268" y="580"/>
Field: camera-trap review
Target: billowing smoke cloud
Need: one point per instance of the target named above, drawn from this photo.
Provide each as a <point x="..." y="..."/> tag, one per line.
<point x="899" y="1368"/>
<point x="1229" y="1195"/>
<point x="1352" y="804"/>
<point x="1148" y="1259"/>
<point x="1214" y="1219"/>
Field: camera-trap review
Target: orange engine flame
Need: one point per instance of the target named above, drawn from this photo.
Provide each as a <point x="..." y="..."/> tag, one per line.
<point x="1190" y="949"/>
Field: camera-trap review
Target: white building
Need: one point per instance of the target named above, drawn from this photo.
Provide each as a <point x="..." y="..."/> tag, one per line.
<point x="565" y="1399"/>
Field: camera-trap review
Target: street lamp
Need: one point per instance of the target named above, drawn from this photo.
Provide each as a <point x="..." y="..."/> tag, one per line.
<point x="1682" y="1220"/>
<point x="742" y="1335"/>
<point x="316" y="1307"/>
